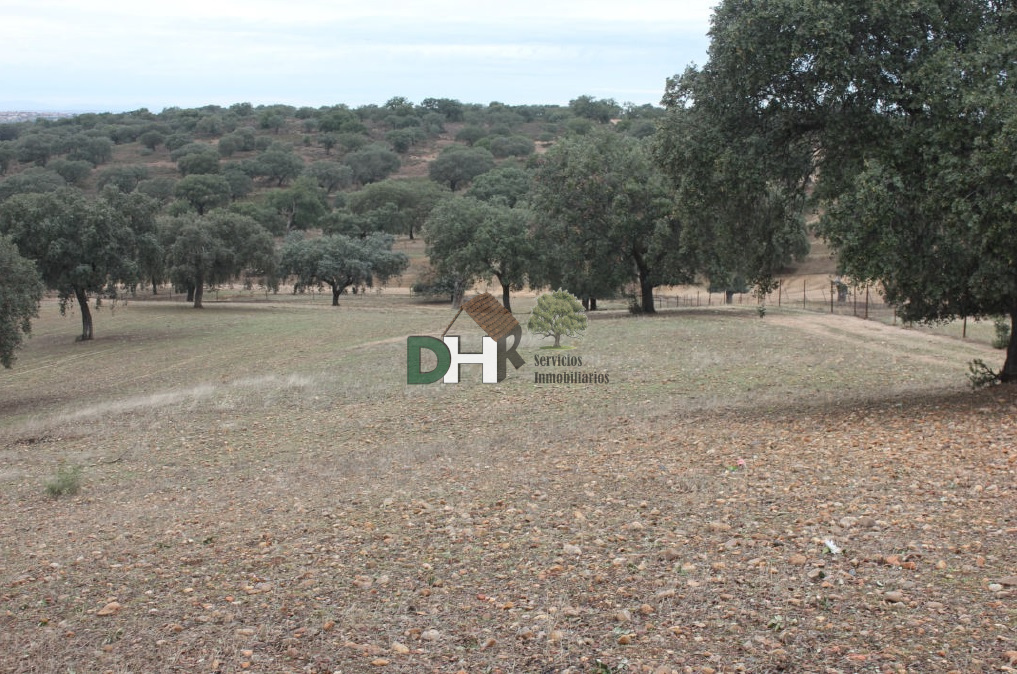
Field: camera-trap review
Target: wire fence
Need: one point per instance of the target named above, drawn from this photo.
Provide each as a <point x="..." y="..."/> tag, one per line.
<point x="838" y="298"/>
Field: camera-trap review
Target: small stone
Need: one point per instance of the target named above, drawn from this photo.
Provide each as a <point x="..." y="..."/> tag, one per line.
<point x="570" y="549"/>
<point x="995" y="587"/>
<point x="556" y="636"/>
<point x="894" y="596"/>
<point x="866" y="522"/>
<point x="490" y="643"/>
<point x="798" y="560"/>
<point x="430" y="635"/>
<point x="636" y="526"/>
<point x="402" y="649"/>
<point x="646" y="609"/>
<point x="625" y="639"/>
<point x="379" y="662"/>
<point x="109" y="609"/>
<point x="623" y="616"/>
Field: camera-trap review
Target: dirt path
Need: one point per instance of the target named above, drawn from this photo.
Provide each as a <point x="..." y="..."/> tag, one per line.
<point x="856" y="333"/>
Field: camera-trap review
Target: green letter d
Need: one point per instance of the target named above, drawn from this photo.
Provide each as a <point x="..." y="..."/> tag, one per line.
<point x="414" y="345"/>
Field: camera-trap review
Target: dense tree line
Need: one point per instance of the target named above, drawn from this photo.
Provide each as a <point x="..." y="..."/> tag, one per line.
<point x="87" y="207"/>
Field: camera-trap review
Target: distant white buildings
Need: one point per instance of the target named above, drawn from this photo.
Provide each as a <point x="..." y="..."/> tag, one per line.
<point x="11" y="116"/>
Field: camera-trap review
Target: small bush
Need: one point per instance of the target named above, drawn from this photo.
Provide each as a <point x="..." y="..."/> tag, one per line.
<point x="1002" y="338"/>
<point x="981" y="375"/>
<point x="66" y="482"/>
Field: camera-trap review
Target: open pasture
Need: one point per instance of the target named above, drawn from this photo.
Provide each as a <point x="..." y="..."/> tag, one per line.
<point x="261" y="491"/>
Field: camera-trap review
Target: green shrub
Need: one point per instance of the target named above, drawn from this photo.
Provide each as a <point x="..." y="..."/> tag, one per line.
<point x="981" y="375"/>
<point x="67" y="481"/>
<point x="1002" y="338"/>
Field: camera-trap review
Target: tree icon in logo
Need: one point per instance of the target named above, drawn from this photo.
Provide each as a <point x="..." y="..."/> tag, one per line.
<point x="556" y="314"/>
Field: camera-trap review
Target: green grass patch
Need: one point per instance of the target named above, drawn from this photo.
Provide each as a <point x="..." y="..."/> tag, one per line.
<point x="66" y="482"/>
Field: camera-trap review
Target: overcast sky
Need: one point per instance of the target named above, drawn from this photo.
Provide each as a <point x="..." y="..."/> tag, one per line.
<point x="110" y="55"/>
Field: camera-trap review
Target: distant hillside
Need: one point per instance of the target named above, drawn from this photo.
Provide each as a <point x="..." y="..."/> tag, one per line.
<point x="332" y="168"/>
<point x="414" y="133"/>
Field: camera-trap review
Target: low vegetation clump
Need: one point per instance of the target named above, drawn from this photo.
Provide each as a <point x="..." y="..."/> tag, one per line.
<point x="66" y="482"/>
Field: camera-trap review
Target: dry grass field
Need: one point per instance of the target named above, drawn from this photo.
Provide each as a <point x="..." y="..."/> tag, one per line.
<point x="260" y="491"/>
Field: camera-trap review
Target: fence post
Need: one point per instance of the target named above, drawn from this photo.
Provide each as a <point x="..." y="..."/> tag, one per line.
<point x="866" y="302"/>
<point x="831" y="297"/>
<point x="964" y="332"/>
<point x="804" y="306"/>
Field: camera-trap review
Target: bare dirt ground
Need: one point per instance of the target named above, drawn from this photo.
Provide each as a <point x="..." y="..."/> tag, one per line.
<point x="260" y="492"/>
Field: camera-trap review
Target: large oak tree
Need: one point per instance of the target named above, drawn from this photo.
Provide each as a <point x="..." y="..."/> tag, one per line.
<point x="469" y="239"/>
<point x="80" y="245"/>
<point x="339" y="261"/>
<point x="20" y="293"/>
<point x="906" y="116"/>
<point x="204" y="250"/>
<point x="607" y="218"/>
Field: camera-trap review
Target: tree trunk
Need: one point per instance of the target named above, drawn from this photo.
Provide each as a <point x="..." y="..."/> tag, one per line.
<point x="646" y="291"/>
<point x="593" y="304"/>
<point x="586" y="304"/>
<point x="199" y="290"/>
<point x="458" y="291"/>
<point x="505" y="297"/>
<point x="728" y="297"/>
<point x="1009" y="371"/>
<point x="336" y="291"/>
<point x="645" y="285"/>
<point x="86" y="315"/>
<point x="155" y="287"/>
<point x="190" y="293"/>
<point x="557" y="340"/>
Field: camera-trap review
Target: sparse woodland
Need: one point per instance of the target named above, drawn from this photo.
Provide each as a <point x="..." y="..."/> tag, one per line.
<point x="759" y="487"/>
